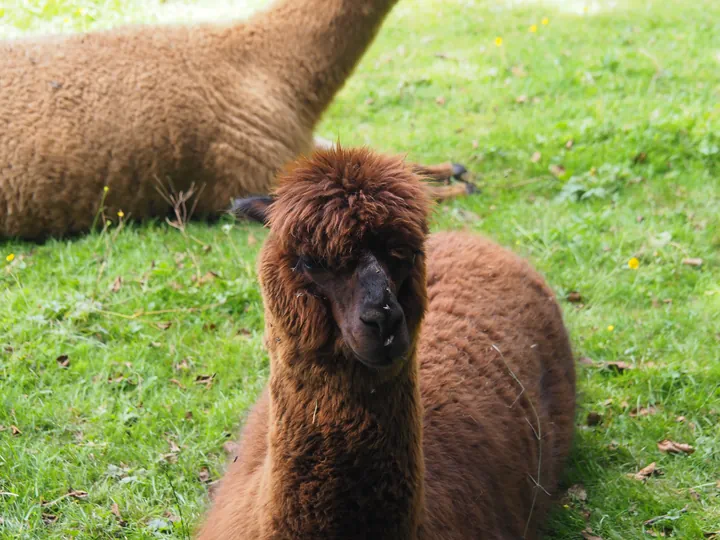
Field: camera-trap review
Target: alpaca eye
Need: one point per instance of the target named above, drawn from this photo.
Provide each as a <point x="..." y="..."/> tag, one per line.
<point x="403" y="255"/>
<point x="309" y="264"/>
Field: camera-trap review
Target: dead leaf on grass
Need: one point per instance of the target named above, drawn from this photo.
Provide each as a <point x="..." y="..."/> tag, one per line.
<point x="574" y="297"/>
<point x="206" y="278"/>
<point x="672" y="447"/>
<point x="585" y="361"/>
<point x="569" y="144"/>
<point x="692" y="261"/>
<point x="172" y="517"/>
<point x="177" y="383"/>
<point x="680" y="419"/>
<point x="204" y="475"/>
<point x="48" y="519"/>
<point x="15" y="430"/>
<point x="643" y="411"/>
<point x="207" y="380"/>
<point x="556" y="170"/>
<point x="63" y="360"/>
<point x="594" y="419"/>
<point x="115" y="287"/>
<point x="578" y="492"/>
<point x="588" y="534"/>
<point x="646" y="472"/>
<point x="640" y="157"/>
<point x="440" y="100"/>
<point x="537" y="156"/>
<point x="164" y="325"/>
<point x="230" y="447"/>
<point x="521" y="99"/>
<point x="620" y="367"/>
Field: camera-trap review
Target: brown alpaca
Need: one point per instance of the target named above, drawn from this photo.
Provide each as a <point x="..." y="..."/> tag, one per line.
<point x="220" y="108"/>
<point x="373" y="426"/>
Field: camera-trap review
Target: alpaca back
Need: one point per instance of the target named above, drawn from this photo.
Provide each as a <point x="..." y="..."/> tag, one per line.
<point x="128" y="109"/>
<point x="491" y="320"/>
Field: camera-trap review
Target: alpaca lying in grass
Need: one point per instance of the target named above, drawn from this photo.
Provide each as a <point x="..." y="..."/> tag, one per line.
<point x="218" y="108"/>
<point x="374" y="425"/>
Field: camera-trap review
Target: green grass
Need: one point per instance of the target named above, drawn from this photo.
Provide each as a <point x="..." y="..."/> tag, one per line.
<point x="637" y="90"/>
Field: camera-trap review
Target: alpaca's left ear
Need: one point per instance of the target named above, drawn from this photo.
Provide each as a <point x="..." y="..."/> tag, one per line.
<point x="252" y="208"/>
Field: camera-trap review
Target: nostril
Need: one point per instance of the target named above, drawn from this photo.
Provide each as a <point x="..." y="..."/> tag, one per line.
<point x="375" y="320"/>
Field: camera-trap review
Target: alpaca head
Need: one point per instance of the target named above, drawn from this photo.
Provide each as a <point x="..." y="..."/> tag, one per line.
<point x="342" y="270"/>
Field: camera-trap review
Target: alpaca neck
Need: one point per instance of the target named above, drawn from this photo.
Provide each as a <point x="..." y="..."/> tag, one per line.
<point x="315" y="44"/>
<point x="345" y="453"/>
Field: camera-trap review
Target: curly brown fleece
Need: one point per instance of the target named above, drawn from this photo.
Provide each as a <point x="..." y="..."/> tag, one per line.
<point x="220" y="107"/>
<point x="460" y="441"/>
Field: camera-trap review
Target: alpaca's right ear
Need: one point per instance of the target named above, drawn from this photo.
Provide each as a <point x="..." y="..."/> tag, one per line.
<point x="252" y="208"/>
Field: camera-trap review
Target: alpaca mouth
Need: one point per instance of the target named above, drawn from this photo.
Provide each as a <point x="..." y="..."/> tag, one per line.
<point x="382" y="359"/>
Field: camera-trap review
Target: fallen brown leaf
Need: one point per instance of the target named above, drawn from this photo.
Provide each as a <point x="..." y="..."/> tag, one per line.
<point x="172" y="517"/>
<point x="521" y="99"/>
<point x="672" y="447"/>
<point x="49" y="518"/>
<point x="620" y="367"/>
<point x="680" y="419"/>
<point x="578" y="492"/>
<point x="640" y="157"/>
<point x="230" y="447"/>
<point x="207" y="278"/>
<point x="692" y="261"/>
<point x="15" y="430"/>
<point x="556" y="170"/>
<point x="569" y="144"/>
<point x="115" y="509"/>
<point x="643" y="411"/>
<point x="63" y="360"/>
<point x="588" y="534"/>
<point x="204" y="475"/>
<point x="183" y="365"/>
<point x="164" y="325"/>
<point x="115" y="287"/>
<point x="646" y="472"/>
<point x="594" y="419"/>
<point x="537" y="156"/>
<point x="178" y="383"/>
<point x="440" y="100"/>
<point x="585" y="361"/>
<point x="574" y="297"/>
<point x="207" y="380"/>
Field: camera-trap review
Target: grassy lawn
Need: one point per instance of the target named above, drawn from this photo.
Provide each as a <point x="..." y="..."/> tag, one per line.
<point x="128" y="357"/>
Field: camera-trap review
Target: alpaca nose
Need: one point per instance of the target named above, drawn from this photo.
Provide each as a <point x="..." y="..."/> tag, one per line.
<point x="383" y="320"/>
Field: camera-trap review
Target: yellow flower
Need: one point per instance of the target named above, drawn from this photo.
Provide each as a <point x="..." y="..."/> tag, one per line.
<point x="66" y="20"/>
<point x="106" y="189"/>
<point x="81" y="11"/>
<point x="546" y="21"/>
<point x="633" y="263"/>
<point x="611" y="328"/>
<point x="121" y="213"/>
<point x="533" y="28"/>
<point x="498" y="41"/>
<point x="10" y="258"/>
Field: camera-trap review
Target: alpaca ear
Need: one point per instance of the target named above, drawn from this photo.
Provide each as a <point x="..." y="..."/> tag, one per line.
<point x="253" y="208"/>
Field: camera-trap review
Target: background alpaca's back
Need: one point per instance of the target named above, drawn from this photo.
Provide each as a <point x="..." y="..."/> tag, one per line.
<point x="491" y="318"/>
<point x="131" y="108"/>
